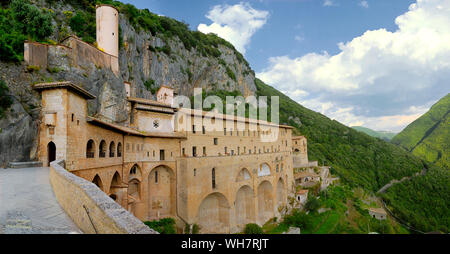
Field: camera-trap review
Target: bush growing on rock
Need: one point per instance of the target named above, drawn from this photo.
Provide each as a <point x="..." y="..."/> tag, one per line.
<point x="253" y="229"/>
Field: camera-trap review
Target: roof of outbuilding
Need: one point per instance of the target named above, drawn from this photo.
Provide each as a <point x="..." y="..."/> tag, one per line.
<point x="377" y="210"/>
<point x="302" y="192"/>
<point x="65" y="84"/>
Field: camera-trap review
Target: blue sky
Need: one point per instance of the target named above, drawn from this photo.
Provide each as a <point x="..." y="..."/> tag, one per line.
<point x="320" y="28"/>
<point x="375" y="63"/>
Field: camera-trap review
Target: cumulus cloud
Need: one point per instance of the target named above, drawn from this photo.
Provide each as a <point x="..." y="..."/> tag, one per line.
<point x="364" y="4"/>
<point x="235" y="23"/>
<point x="377" y="78"/>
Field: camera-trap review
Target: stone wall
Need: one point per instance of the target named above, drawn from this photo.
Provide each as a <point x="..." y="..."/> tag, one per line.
<point x="78" y="197"/>
<point x="80" y="54"/>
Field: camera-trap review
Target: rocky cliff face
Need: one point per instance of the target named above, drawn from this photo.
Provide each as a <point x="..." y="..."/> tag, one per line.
<point x="140" y="63"/>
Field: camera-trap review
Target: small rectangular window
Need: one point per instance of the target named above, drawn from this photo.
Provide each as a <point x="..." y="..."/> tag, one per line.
<point x="216" y="141"/>
<point x="193" y="129"/>
<point x="73" y="117"/>
<point x="203" y="130"/>
<point x="194" y="151"/>
<point x="224" y="131"/>
<point x="161" y="155"/>
<point x="204" y="151"/>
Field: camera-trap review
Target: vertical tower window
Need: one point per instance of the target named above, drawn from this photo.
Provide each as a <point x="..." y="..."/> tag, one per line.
<point x="156" y="176"/>
<point x="194" y="151"/>
<point x="213" y="178"/>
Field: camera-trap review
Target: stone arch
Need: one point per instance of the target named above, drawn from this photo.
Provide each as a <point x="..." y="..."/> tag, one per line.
<point x="102" y="149"/>
<point x="264" y="170"/>
<point x="244" y="206"/>
<point x="134" y="188"/>
<point x="281" y="193"/>
<point x="243" y="175"/>
<point x="161" y="192"/>
<point x="51" y="152"/>
<point x="214" y="214"/>
<point x="98" y="181"/>
<point x="90" y="149"/>
<point x="265" y="202"/>
<point x="115" y="189"/>
<point x="112" y="149"/>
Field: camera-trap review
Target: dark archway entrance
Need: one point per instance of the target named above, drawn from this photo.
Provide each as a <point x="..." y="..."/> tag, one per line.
<point x="51" y="153"/>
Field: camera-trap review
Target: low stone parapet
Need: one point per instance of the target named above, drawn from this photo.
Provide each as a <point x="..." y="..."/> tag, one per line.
<point x="89" y="207"/>
<point x="28" y="164"/>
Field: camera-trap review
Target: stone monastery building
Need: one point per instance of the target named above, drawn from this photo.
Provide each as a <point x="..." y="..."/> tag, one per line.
<point x="218" y="171"/>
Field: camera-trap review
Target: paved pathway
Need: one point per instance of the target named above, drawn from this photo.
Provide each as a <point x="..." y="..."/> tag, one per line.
<point x="28" y="204"/>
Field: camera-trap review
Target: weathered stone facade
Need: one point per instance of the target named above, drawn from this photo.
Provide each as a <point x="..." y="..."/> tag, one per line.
<point x="220" y="172"/>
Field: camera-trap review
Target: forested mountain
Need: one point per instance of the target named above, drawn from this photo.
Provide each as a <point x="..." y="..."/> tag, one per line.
<point x="429" y="136"/>
<point x="386" y="135"/>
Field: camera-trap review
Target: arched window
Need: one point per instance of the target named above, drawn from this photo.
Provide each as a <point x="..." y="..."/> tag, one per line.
<point x="133" y="170"/>
<point x="213" y="178"/>
<point x="112" y="149"/>
<point x="102" y="149"/>
<point x="119" y="150"/>
<point x="90" y="149"/>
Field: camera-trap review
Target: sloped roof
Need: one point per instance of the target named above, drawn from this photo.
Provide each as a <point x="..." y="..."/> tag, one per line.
<point x="131" y="131"/>
<point x="64" y="84"/>
<point x="377" y="210"/>
<point x="302" y="192"/>
<point x="305" y="174"/>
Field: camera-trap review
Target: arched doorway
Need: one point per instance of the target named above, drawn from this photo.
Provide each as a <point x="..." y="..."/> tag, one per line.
<point x="244" y="207"/>
<point x="134" y="188"/>
<point x="51" y="153"/>
<point x="115" y="190"/>
<point x="97" y="181"/>
<point x="161" y="193"/>
<point x="265" y="202"/>
<point x="214" y="214"/>
<point x="281" y="197"/>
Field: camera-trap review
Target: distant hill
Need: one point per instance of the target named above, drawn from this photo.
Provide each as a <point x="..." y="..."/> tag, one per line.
<point x="386" y="135"/>
<point x="358" y="159"/>
<point x="429" y="137"/>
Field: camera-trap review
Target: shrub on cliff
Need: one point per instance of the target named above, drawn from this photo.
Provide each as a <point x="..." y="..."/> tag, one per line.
<point x="253" y="229"/>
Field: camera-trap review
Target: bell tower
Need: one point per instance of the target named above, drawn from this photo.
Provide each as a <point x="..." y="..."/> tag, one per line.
<point x="108" y="29"/>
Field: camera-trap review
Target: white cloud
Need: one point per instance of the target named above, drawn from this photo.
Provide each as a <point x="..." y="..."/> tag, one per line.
<point x="364" y="4"/>
<point x="379" y="77"/>
<point x="329" y="3"/>
<point x="299" y="38"/>
<point x="235" y="23"/>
